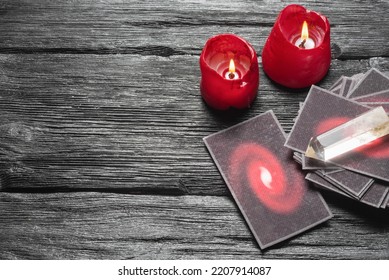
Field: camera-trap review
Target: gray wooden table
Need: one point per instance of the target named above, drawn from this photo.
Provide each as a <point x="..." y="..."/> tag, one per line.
<point x="101" y="127"/>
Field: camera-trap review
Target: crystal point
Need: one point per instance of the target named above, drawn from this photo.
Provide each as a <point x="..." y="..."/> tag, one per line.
<point x="353" y="134"/>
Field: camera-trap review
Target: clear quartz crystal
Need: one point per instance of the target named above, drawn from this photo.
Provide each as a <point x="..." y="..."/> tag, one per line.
<point x="350" y="135"/>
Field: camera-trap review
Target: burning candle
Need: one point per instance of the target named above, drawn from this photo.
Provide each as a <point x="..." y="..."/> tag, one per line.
<point x="229" y="72"/>
<point x="297" y="52"/>
<point x="304" y="41"/>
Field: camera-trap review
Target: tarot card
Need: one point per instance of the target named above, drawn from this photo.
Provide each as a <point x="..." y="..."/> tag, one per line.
<point x="350" y="182"/>
<point x="356" y="78"/>
<point x="373" y="196"/>
<point x="313" y="164"/>
<point x="324" y="184"/>
<point x="376" y="194"/>
<point x="330" y="171"/>
<point x="373" y="81"/>
<point x="300" y="158"/>
<point x="297" y="157"/>
<point x="337" y="90"/>
<point x="346" y="84"/>
<point x="264" y="180"/>
<point x="336" y="84"/>
<point x="377" y="97"/>
<point x="385" y="203"/>
<point x="324" y="110"/>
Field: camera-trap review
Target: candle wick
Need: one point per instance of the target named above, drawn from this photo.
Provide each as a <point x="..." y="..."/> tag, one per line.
<point x="231" y="75"/>
<point x="302" y="44"/>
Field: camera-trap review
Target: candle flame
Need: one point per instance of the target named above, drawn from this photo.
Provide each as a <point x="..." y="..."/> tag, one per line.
<point x="304" y="31"/>
<point x="231" y="68"/>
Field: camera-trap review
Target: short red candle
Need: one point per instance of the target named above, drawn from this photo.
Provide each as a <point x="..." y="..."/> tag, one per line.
<point x="220" y="88"/>
<point x="289" y="64"/>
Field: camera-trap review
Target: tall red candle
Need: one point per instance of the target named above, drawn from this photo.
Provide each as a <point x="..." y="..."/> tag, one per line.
<point x="229" y="72"/>
<point x="290" y="58"/>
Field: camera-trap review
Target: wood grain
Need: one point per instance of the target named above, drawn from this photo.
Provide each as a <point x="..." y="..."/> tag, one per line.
<point x="121" y="226"/>
<point x="120" y="121"/>
<point x="101" y="127"/>
<point x="173" y="27"/>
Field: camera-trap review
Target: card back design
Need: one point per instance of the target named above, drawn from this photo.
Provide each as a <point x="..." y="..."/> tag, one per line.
<point x="373" y="81"/>
<point x="378" y="97"/>
<point x="264" y="180"/>
<point x="376" y="194"/>
<point x="324" y="110"/>
<point x="324" y="184"/>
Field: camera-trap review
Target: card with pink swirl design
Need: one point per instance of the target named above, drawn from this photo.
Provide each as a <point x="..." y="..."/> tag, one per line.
<point x="265" y="181"/>
<point x="324" y="110"/>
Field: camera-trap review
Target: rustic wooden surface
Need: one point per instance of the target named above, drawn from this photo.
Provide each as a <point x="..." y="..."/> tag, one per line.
<point x="101" y="127"/>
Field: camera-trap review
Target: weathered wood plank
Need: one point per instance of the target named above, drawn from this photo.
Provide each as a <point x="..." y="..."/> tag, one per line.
<point x="359" y="28"/>
<point x="121" y="121"/>
<point x="121" y="226"/>
<point x="104" y="96"/>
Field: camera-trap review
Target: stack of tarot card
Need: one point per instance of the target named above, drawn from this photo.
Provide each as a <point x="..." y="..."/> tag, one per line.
<point x="268" y="186"/>
<point x="363" y="175"/>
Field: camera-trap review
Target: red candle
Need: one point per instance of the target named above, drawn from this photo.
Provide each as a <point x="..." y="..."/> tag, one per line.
<point x="297" y="52"/>
<point x="229" y="72"/>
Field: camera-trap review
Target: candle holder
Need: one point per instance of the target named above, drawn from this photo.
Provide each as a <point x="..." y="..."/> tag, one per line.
<point x="294" y="57"/>
<point x="229" y="72"/>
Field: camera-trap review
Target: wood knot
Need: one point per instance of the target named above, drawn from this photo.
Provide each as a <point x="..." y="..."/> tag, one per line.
<point x="20" y="131"/>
